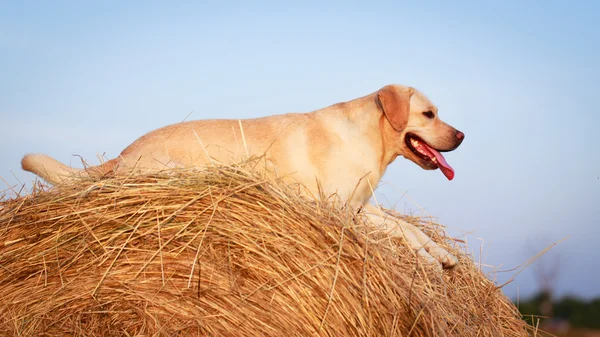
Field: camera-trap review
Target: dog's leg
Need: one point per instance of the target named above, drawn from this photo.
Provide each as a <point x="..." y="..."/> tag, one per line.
<point x="416" y="239"/>
<point x="443" y="256"/>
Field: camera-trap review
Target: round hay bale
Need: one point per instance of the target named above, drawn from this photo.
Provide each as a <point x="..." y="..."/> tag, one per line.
<point x="224" y="252"/>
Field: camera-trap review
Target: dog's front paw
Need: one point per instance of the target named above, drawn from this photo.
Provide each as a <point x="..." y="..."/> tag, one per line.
<point x="447" y="260"/>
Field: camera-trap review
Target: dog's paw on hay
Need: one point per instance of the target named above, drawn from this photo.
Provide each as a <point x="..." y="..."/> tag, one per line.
<point x="224" y="252"/>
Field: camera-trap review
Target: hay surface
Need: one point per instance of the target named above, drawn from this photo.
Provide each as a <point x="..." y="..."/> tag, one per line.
<point x="224" y="252"/>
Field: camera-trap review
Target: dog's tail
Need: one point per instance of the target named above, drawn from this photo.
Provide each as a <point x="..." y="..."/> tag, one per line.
<point x="54" y="172"/>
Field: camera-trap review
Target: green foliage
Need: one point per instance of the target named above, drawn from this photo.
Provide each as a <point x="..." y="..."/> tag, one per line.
<point x="578" y="312"/>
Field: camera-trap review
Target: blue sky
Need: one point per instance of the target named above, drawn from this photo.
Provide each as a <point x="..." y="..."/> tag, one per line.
<point x="519" y="78"/>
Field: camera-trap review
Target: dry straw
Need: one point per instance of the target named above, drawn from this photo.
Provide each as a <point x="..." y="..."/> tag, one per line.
<point x="224" y="252"/>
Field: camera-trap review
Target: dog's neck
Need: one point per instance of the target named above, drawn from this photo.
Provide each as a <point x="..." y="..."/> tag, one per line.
<point x="366" y="115"/>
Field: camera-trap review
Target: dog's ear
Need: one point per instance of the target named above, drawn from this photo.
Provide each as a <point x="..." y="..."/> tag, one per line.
<point x="395" y="103"/>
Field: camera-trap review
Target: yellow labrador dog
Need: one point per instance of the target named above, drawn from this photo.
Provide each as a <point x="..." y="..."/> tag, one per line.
<point x="344" y="149"/>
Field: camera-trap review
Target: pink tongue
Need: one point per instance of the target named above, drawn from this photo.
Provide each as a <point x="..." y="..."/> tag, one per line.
<point x="447" y="170"/>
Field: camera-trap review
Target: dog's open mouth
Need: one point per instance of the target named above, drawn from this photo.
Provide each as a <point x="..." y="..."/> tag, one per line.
<point x="431" y="156"/>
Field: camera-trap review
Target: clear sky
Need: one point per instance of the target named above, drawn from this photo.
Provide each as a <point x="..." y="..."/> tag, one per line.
<point x="520" y="78"/>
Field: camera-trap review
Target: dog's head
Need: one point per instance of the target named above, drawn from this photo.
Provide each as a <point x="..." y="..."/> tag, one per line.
<point x="418" y="133"/>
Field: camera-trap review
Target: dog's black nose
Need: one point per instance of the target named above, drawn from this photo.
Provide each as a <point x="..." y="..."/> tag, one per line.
<point x="460" y="136"/>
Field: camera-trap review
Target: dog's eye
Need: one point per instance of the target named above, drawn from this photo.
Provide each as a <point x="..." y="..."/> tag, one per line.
<point x="429" y="114"/>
